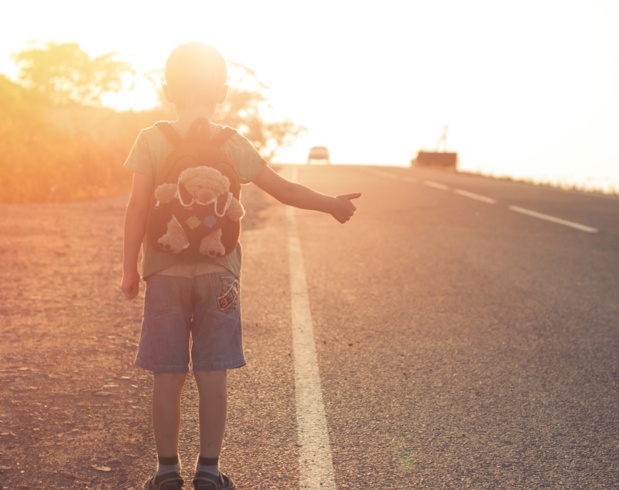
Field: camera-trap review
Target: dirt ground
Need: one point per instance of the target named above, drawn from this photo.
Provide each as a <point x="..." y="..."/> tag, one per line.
<point x="74" y="412"/>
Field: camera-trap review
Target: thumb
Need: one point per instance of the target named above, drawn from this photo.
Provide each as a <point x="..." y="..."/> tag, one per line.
<point x="354" y="195"/>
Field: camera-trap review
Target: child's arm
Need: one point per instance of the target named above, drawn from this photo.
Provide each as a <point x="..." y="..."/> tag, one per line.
<point x="300" y="196"/>
<point x="135" y="227"/>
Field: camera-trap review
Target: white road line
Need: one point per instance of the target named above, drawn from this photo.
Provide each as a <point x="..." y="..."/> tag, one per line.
<point x="560" y="221"/>
<point x="472" y="195"/>
<point x="315" y="460"/>
<point x="435" y="185"/>
<point x="489" y="200"/>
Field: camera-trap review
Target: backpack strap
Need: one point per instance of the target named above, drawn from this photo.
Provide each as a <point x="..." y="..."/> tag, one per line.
<point x="224" y="135"/>
<point x="168" y="130"/>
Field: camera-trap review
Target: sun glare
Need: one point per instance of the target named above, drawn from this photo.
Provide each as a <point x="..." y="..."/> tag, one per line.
<point x="139" y="95"/>
<point x="522" y="86"/>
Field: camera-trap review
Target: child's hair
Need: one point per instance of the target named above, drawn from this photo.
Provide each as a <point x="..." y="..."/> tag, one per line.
<point x="196" y="73"/>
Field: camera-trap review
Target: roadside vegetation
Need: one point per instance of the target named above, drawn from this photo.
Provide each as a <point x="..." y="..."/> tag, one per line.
<point x="58" y="142"/>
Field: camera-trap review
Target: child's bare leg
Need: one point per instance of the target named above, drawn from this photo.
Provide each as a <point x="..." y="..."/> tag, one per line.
<point x="167" y="411"/>
<point x="212" y="389"/>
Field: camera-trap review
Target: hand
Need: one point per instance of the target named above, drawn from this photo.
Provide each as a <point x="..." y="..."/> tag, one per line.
<point x="344" y="208"/>
<point x="130" y="284"/>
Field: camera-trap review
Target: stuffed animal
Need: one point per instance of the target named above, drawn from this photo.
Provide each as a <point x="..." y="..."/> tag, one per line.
<point x="205" y="198"/>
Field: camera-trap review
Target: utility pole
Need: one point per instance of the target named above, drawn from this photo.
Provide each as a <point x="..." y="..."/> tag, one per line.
<point x="443" y="140"/>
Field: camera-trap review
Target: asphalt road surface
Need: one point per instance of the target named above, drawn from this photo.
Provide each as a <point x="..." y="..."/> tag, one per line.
<point x="465" y="335"/>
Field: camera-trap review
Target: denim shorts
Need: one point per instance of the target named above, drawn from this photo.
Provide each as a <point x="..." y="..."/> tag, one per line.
<point x="193" y="320"/>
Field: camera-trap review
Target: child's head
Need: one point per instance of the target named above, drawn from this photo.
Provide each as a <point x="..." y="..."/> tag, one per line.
<point x="196" y="76"/>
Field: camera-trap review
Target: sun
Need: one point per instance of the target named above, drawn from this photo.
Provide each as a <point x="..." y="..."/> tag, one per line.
<point x="140" y="94"/>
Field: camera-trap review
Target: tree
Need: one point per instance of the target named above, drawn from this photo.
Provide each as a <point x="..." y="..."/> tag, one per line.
<point x="245" y="108"/>
<point x="63" y="73"/>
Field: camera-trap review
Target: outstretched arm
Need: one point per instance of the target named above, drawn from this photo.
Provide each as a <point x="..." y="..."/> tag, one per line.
<point x="300" y="196"/>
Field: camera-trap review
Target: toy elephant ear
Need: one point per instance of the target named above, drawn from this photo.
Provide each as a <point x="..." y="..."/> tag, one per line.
<point x="189" y="174"/>
<point x="165" y="193"/>
<point x="226" y="180"/>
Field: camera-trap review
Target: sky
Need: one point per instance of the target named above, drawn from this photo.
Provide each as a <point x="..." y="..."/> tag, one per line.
<point x="526" y="88"/>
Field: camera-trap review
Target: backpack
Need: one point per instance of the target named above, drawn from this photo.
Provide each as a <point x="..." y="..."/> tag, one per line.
<point x="197" y="220"/>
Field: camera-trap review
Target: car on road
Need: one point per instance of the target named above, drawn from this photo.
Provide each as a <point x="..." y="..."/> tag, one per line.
<point x="318" y="154"/>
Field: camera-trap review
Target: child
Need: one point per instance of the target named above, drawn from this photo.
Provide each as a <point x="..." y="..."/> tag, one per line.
<point x="182" y="291"/>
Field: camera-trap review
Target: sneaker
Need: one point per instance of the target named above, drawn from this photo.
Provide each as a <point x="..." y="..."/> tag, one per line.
<point x="169" y="481"/>
<point x="207" y="481"/>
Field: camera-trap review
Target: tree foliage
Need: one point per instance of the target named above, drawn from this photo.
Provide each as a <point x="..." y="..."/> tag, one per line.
<point x="245" y="109"/>
<point x="58" y="143"/>
<point x="50" y="154"/>
<point x="63" y="73"/>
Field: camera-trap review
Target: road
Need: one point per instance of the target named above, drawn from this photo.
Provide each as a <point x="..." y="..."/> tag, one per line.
<point x="465" y="335"/>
